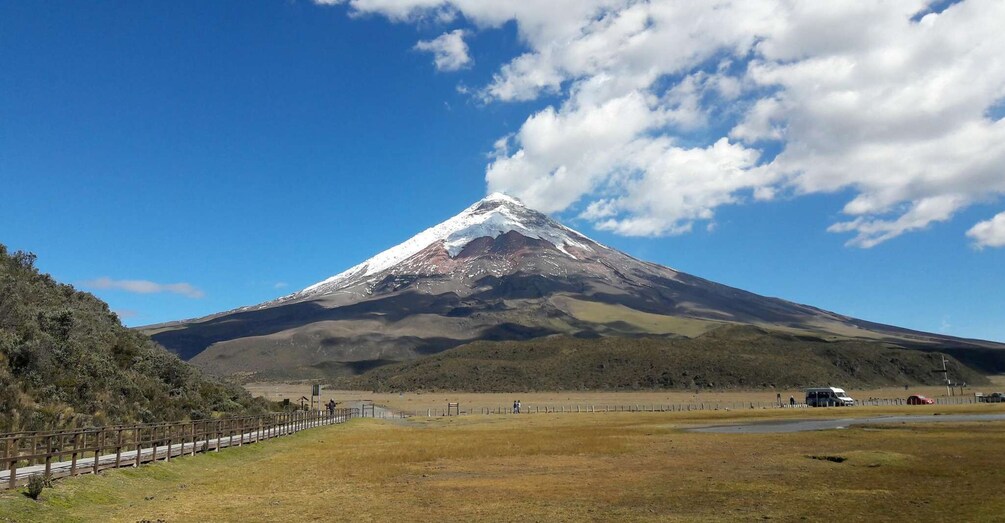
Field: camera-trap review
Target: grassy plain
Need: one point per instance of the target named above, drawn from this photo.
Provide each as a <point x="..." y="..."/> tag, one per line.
<point x="571" y="467"/>
<point x="412" y="402"/>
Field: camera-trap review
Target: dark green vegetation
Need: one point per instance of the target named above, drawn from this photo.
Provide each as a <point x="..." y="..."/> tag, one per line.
<point x="728" y="357"/>
<point x="65" y="360"/>
<point x="35" y="485"/>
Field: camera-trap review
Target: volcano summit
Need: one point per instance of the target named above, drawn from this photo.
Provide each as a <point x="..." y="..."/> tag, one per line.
<point x="497" y="271"/>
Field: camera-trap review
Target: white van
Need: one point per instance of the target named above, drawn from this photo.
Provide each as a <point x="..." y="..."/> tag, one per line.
<point x="828" y="397"/>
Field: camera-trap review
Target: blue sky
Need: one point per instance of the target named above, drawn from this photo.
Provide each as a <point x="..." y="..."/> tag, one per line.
<point x="227" y="154"/>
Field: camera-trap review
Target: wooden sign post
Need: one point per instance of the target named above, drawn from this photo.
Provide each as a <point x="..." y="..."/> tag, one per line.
<point x="315" y="391"/>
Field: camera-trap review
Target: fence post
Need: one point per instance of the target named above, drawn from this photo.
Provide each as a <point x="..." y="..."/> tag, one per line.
<point x="118" y="448"/>
<point x="48" y="455"/>
<point x="138" y="441"/>
<point x="154" y="442"/>
<point x="73" y="459"/>
<point x="170" y="432"/>
<point x="12" y="455"/>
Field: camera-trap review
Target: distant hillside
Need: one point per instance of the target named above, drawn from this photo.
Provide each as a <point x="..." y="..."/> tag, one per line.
<point x="65" y="359"/>
<point x="728" y="357"/>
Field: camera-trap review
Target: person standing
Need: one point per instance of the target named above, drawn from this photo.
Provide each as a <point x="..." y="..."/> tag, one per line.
<point x="516" y="406"/>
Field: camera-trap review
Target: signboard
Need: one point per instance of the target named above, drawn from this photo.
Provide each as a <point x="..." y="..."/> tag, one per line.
<point x="315" y="390"/>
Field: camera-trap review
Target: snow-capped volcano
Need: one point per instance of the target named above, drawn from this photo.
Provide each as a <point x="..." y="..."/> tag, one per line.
<point x="496" y="271"/>
<point x="490" y="217"/>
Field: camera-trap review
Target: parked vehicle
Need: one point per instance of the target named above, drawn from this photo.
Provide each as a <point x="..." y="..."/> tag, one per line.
<point x="918" y="399"/>
<point x="994" y="397"/>
<point x="828" y="397"/>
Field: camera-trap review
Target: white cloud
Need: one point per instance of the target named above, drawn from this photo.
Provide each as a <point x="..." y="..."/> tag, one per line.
<point x="400" y="10"/>
<point x="671" y="109"/>
<point x="145" y="287"/>
<point x="989" y="233"/>
<point x="450" y="52"/>
<point x="125" y="314"/>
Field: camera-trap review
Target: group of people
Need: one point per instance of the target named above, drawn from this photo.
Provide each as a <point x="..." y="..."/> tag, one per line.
<point x="516" y="407"/>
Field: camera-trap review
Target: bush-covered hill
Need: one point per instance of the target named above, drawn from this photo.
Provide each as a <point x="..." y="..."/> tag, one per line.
<point x="65" y="360"/>
<point x="743" y="357"/>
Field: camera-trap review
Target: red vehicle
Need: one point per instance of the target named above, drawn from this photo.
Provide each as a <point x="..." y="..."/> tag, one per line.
<point x="919" y="400"/>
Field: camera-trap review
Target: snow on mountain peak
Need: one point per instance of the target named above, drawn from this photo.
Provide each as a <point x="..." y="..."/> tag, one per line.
<point x="491" y="216"/>
<point x="502" y="197"/>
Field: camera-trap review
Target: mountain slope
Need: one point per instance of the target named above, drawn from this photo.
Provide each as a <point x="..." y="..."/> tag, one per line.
<point x="65" y="360"/>
<point x="711" y="360"/>
<point x="496" y="271"/>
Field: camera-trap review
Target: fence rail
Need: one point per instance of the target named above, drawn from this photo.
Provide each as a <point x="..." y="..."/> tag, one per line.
<point x="388" y="412"/>
<point x="90" y="450"/>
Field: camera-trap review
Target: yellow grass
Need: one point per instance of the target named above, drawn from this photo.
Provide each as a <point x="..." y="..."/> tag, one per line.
<point x="412" y="402"/>
<point x="595" y="312"/>
<point x="586" y="467"/>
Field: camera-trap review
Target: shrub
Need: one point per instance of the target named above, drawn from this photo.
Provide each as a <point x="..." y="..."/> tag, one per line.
<point x="35" y="485"/>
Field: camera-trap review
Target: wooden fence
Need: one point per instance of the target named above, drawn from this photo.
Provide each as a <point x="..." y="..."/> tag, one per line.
<point x="594" y="408"/>
<point x="76" y="451"/>
<point x="388" y="412"/>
